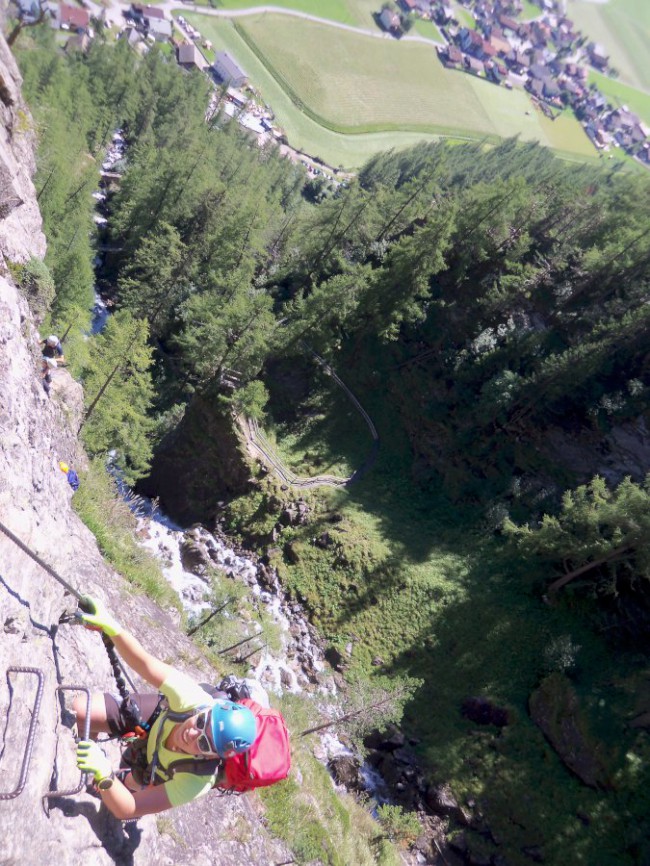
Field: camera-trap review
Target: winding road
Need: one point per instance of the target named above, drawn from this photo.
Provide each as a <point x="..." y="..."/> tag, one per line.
<point x="114" y="13"/>
<point x="260" y="447"/>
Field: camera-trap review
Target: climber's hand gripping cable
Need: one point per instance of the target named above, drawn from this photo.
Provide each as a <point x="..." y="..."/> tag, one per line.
<point x="91" y="759"/>
<point x="93" y="615"/>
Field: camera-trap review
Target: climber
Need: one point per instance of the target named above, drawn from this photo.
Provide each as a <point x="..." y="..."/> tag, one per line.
<point x="218" y="729"/>
<point x="70" y="474"/>
<point x="47" y="366"/>
<point x="52" y="348"/>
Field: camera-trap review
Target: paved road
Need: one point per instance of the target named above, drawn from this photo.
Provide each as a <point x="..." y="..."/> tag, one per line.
<point x="115" y="8"/>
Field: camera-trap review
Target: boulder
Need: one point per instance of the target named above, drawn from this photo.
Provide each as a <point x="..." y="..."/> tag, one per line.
<point x="484" y="712"/>
<point x="194" y="556"/>
<point x="441" y="801"/>
<point x="392" y="738"/>
<point x="346" y="771"/>
<point x="335" y="659"/>
<point x="324" y="540"/>
<point x="555" y="709"/>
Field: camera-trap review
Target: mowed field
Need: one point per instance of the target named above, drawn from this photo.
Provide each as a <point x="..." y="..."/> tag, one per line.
<point x="622" y="27"/>
<point x="357" y="13"/>
<point x="352" y="84"/>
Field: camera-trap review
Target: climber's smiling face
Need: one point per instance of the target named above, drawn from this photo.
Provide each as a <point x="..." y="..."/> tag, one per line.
<point x="192" y="736"/>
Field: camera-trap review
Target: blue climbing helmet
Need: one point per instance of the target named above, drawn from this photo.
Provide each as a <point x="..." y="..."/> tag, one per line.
<point x="233" y="728"/>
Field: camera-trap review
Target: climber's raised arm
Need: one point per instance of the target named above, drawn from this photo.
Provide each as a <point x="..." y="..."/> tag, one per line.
<point x="146" y="665"/>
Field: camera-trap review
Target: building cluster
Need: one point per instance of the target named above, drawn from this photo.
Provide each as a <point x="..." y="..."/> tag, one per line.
<point x="548" y="56"/>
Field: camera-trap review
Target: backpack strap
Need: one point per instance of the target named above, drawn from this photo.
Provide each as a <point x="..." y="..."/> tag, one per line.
<point x="196" y="766"/>
<point x="177" y="717"/>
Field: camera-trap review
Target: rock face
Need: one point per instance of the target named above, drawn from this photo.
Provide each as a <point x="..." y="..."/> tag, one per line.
<point x="188" y="485"/>
<point x="35" y="433"/>
<point x="555" y="709"/>
<point x="21" y="231"/>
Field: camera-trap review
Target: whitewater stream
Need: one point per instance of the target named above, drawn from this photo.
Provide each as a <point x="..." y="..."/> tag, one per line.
<point x="299" y="665"/>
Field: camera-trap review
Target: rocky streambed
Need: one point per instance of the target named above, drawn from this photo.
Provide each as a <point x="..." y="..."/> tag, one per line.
<point x="390" y="772"/>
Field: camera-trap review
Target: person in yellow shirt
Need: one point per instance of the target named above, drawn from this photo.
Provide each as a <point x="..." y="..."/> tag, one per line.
<point x="211" y="730"/>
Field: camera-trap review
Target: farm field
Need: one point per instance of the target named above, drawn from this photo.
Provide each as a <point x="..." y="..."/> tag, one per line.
<point x="343" y="96"/>
<point x="622" y="94"/>
<point x="357" y="13"/>
<point x="622" y="27"/>
<point x="336" y="149"/>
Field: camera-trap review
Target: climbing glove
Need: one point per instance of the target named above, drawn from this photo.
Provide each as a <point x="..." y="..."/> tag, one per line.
<point x="95" y="616"/>
<point x="91" y="759"/>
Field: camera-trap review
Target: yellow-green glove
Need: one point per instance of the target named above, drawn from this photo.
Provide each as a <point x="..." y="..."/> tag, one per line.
<point x="95" y="616"/>
<point x="91" y="759"/>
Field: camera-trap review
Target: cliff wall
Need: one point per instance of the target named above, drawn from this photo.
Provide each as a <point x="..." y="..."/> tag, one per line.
<point x="35" y="504"/>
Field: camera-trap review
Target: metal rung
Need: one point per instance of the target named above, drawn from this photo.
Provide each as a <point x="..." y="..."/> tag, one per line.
<point x="32" y="728"/>
<point x="86" y="735"/>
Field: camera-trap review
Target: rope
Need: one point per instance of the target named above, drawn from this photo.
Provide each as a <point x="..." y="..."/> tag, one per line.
<point x="41" y="562"/>
<point x="118" y="670"/>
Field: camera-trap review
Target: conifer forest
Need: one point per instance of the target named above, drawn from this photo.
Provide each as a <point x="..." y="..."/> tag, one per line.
<point x="490" y="308"/>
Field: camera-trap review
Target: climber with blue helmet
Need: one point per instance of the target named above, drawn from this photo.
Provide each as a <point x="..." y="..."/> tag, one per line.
<point x="182" y="719"/>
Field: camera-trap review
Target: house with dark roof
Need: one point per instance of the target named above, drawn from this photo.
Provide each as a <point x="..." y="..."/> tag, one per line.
<point x="138" y="11"/>
<point x="539" y="71"/>
<point x="443" y="14"/>
<point x="509" y="23"/>
<point x="189" y="57"/>
<point x="78" y="42"/>
<point x="550" y="90"/>
<point x="474" y="65"/>
<point x="452" y="56"/>
<point x="390" y="21"/>
<point x="597" y="55"/>
<point x="471" y="42"/>
<point x="73" y="18"/>
<point x="227" y="71"/>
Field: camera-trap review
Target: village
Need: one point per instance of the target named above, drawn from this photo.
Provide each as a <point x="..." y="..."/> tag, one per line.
<point x="547" y="56"/>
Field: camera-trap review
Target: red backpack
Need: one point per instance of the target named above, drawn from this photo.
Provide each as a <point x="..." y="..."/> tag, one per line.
<point x="269" y="758"/>
<point x="266" y="762"/>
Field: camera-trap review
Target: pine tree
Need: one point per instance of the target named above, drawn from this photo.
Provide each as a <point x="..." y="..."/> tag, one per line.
<point x="119" y="392"/>
<point x="599" y="535"/>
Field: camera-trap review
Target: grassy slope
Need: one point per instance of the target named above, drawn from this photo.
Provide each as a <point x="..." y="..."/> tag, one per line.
<point x="388" y="94"/>
<point x="432" y="596"/>
<point x="623" y="28"/>
<point x="428" y="29"/>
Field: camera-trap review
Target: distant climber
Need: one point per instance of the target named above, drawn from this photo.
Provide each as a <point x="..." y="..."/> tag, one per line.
<point x="194" y="724"/>
<point x="52" y="348"/>
<point x="70" y="474"/>
<point x="47" y="366"/>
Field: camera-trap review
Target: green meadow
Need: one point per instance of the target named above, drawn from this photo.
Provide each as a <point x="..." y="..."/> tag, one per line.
<point x="356" y="13"/>
<point x="622" y="27"/>
<point x="344" y="96"/>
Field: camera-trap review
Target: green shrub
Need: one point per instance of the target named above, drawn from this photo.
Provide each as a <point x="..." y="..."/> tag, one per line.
<point x="400" y="826"/>
<point x="37" y="284"/>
